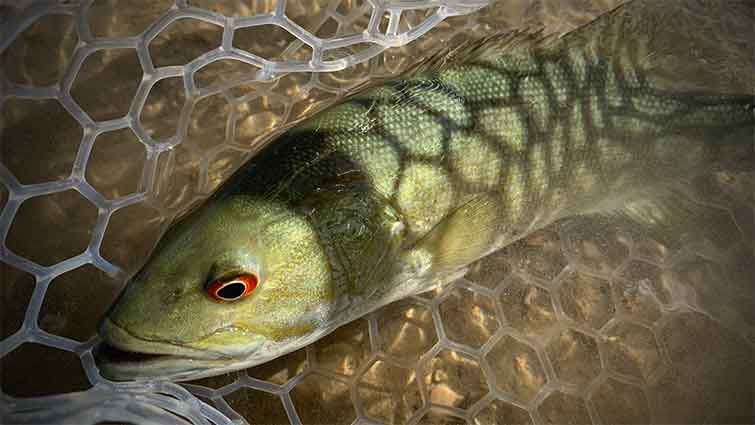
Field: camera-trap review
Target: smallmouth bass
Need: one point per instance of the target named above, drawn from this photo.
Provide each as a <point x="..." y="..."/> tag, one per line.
<point x="396" y="189"/>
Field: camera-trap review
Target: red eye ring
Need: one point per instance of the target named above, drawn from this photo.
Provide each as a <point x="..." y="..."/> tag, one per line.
<point x="232" y="289"/>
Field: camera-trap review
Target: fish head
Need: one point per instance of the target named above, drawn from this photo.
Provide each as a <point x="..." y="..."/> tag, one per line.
<point x="237" y="282"/>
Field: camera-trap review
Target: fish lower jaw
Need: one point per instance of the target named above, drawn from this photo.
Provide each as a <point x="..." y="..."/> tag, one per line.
<point x="119" y="340"/>
<point x="119" y="365"/>
<point x="121" y="356"/>
<point x="151" y="367"/>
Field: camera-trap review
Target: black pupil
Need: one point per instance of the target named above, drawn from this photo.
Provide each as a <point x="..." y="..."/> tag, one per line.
<point x="231" y="291"/>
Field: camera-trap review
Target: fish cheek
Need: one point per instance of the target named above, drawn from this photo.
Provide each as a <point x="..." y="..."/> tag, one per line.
<point x="167" y="311"/>
<point x="199" y="315"/>
<point x="278" y="312"/>
<point x="295" y="290"/>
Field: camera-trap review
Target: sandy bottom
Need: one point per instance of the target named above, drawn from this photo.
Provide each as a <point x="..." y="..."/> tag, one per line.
<point x="588" y="321"/>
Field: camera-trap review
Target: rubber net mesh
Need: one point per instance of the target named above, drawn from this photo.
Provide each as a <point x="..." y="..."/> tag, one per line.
<point x="181" y="61"/>
<point x="117" y="116"/>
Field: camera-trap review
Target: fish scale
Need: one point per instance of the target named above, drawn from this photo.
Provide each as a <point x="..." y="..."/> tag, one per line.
<point x="399" y="187"/>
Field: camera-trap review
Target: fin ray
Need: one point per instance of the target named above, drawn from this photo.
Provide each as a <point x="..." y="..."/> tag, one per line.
<point x="464" y="235"/>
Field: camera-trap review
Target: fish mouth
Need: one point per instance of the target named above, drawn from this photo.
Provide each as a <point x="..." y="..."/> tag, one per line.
<point x="116" y="355"/>
<point x="121" y="356"/>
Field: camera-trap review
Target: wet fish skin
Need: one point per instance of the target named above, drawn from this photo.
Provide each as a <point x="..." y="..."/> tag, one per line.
<point x="397" y="188"/>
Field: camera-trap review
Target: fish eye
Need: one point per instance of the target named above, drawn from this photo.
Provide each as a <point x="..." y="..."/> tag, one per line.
<point x="232" y="289"/>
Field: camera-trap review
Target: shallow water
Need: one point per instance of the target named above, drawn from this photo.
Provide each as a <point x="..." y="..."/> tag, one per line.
<point x="586" y="321"/>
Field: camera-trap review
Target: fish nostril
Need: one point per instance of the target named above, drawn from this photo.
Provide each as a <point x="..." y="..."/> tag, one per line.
<point x="172" y="296"/>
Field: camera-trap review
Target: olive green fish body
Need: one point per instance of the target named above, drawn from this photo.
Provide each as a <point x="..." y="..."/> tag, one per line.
<point x="399" y="187"/>
<point x="486" y="150"/>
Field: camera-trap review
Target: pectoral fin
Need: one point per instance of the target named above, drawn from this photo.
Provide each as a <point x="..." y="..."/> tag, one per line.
<point x="465" y="235"/>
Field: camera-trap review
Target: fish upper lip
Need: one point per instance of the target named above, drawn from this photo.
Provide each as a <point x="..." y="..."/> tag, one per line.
<point x="119" y="338"/>
<point x="123" y="356"/>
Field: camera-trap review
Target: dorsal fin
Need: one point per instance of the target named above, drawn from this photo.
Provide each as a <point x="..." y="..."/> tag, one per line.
<point x="682" y="45"/>
<point x="508" y="42"/>
<point x="483" y="49"/>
